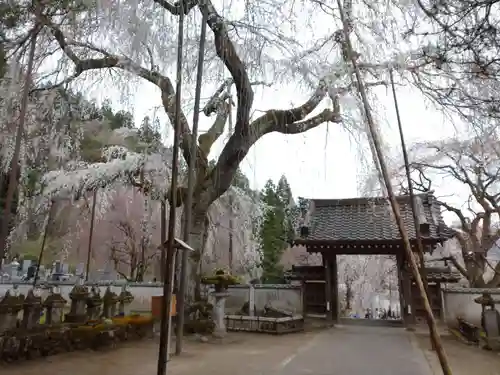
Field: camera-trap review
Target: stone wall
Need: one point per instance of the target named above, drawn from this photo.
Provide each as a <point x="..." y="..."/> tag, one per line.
<point x="289" y="296"/>
<point x="459" y="302"/>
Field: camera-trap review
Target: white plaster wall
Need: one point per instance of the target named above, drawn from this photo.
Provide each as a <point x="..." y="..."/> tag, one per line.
<point x="289" y="296"/>
<point x="459" y="302"/>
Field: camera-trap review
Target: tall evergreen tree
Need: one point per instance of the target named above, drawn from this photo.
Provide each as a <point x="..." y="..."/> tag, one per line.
<point x="276" y="228"/>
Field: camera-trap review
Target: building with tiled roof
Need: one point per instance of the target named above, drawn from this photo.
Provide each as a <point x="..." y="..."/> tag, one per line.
<point x="368" y="223"/>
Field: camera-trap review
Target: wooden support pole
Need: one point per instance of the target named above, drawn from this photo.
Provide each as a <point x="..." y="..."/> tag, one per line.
<point x="163" y="239"/>
<point x="91" y="235"/>
<point x="379" y="156"/>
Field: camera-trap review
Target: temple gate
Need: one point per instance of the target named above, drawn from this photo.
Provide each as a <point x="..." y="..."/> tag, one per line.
<point x="363" y="226"/>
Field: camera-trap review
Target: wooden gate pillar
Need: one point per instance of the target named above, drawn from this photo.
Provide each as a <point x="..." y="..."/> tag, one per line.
<point x="402" y="287"/>
<point x="335" y="290"/>
<point x="328" y="289"/>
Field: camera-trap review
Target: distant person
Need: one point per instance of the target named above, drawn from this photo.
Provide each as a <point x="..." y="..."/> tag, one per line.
<point x="384" y="314"/>
<point x="368" y="314"/>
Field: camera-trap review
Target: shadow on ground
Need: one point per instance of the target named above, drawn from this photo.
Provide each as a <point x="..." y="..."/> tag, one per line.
<point x="350" y="350"/>
<point x="464" y="359"/>
<point x="239" y="354"/>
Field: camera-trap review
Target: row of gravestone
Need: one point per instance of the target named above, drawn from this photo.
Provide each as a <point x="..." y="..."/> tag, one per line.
<point x="85" y="305"/>
<point x="25" y="270"/>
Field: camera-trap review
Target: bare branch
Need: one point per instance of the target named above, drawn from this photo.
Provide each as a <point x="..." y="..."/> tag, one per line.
<point x="207" y="139"/>
<point x="124" y="63"/>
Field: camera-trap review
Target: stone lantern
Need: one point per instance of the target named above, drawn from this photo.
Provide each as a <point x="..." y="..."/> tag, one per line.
<point x="10" y="306"/>
<point x="490" y="319"/>
<point x="32" y="308"/>
<point x="221" y="280"/>
<point x="124" y="300"/>
<point x="54" y="307"/>
<point x="110" y="301"/>
<point x="78" y="295"/>
<point x="94" y="303"/>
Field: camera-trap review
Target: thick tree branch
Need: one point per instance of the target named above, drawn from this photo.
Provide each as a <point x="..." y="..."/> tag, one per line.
<point x="291" y="121"/>
<point x="227" y="53"/>
<point x="207" y="139"/>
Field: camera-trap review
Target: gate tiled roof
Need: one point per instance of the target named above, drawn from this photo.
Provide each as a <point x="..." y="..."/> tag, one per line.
<point x="442" y="274"/>
<point x="365" y="219"/>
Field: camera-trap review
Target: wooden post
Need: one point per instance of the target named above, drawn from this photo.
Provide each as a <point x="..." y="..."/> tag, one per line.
<point x="378" y="154"/>
<point x="409" y="306"/>
<point x="328" y="290"/>
<point x="44" y="240"/>
<point x="402" y="302"/>
<point x="304" y="297"/>
<point x="91" y="235"/>
<point x="163" y="239"/>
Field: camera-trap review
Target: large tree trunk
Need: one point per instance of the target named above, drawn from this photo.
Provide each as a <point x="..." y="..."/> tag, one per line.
<point x="197" y="240"/>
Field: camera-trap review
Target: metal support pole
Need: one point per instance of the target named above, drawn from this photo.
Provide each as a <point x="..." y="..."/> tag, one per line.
<point x="169" y="263"/>
<point x="418" y="234"/>
<point x="416" y="223"/>
<point x="188" y="206"/>
<point x="44" y="240"/>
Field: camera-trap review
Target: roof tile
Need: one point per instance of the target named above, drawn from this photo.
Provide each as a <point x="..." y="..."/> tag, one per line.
<point x="369" y="219"/>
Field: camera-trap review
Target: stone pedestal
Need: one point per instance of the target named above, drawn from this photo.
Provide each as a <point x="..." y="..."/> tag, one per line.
<point x="219" y="312"/>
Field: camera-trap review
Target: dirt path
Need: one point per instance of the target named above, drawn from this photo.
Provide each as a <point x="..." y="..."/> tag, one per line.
<point x="338" y="351"/>
<point x="464" y="359"/>
<point x="238" y="354"/>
